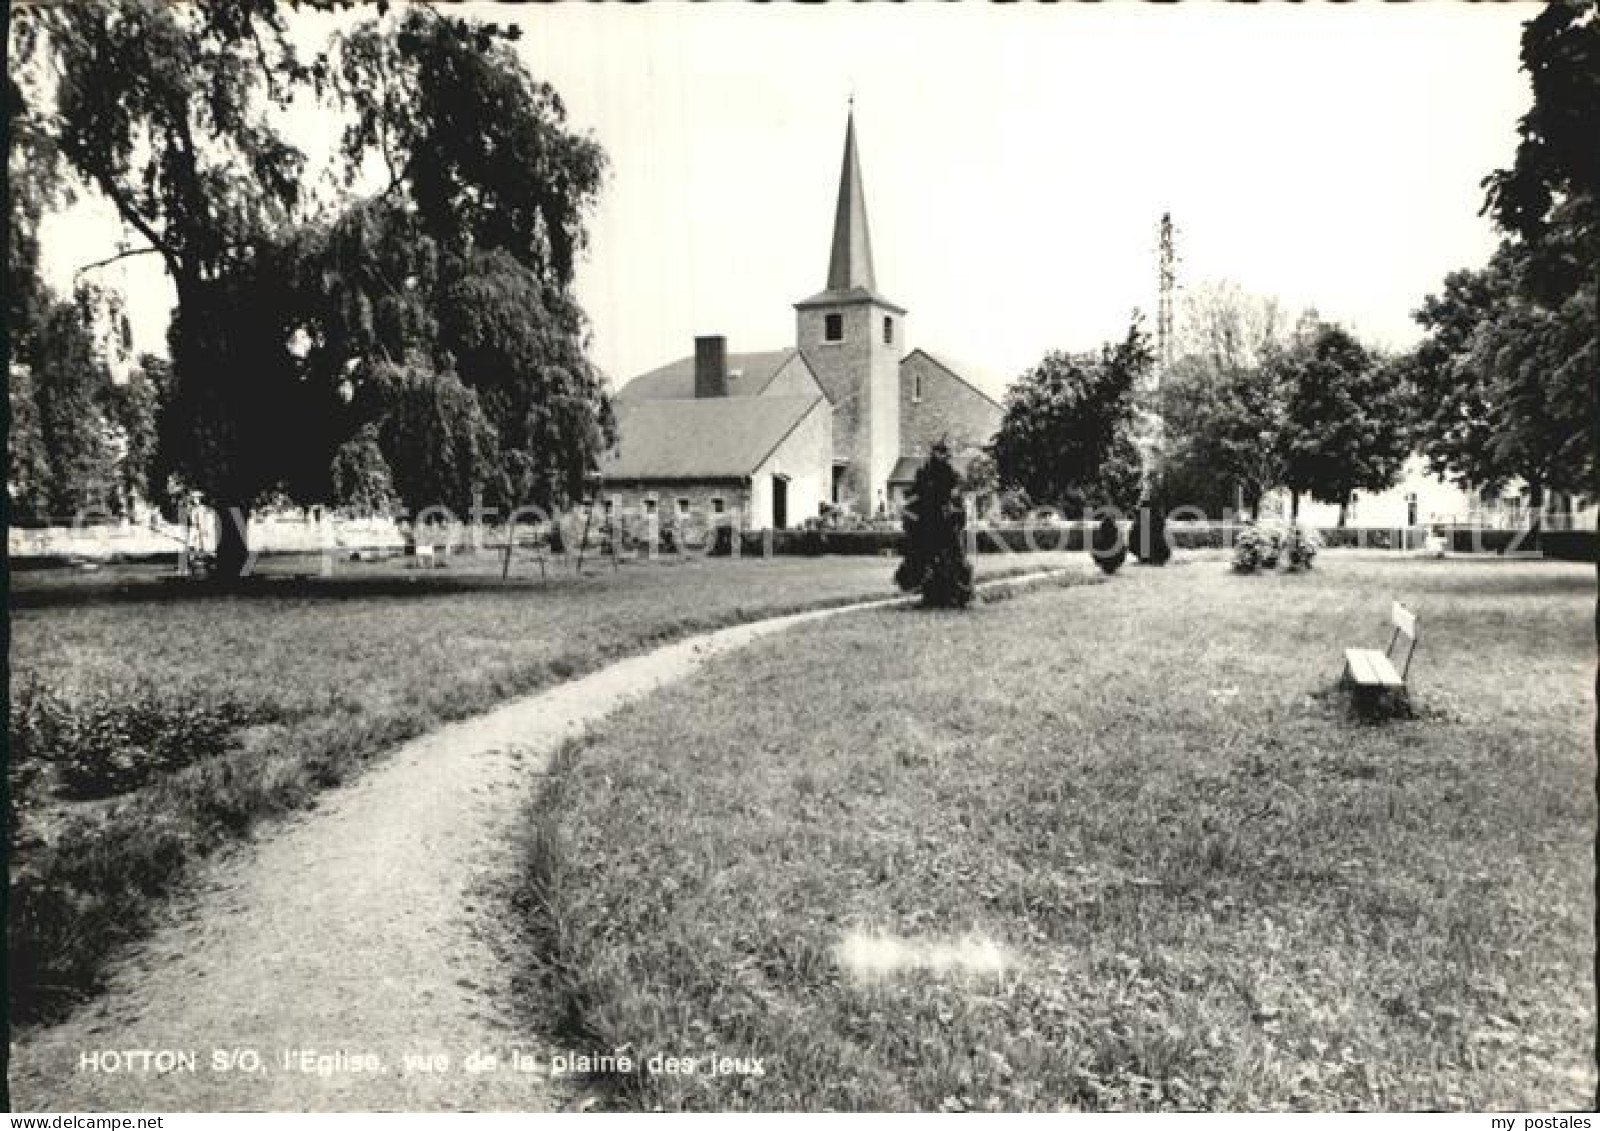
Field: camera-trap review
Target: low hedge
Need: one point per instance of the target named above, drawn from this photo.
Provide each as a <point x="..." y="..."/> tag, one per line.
<point x="1571" y="545"/>
<point x="1485" y="540"/>
<point x="1373" y="538"/>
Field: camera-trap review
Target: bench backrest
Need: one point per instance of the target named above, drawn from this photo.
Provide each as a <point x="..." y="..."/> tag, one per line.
<point x="1405" y="624"/>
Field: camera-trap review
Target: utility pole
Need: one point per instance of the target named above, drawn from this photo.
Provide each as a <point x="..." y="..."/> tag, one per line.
<point x="1166" y="285"/>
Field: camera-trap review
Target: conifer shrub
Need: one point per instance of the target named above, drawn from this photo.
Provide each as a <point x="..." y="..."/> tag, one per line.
<point x="934" y="553"/>
<point x="1108" y="548"/>
<point x="1149" y="535"/>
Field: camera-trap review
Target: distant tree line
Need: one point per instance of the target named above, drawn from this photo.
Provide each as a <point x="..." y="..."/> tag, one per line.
<point x="1246" y="407"/>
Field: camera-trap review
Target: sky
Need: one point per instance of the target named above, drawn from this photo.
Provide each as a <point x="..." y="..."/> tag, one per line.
<point x="1016" y="160"/>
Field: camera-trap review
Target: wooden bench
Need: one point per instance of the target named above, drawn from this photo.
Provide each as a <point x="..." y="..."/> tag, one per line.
<point x="1367" y="669"/>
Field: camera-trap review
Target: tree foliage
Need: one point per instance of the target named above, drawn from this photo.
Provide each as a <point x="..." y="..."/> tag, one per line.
<point x="1344" y="417"/>
<point x="1224" y="426"/>
<point x="934" y="558"/>
<point x="1550" y="196"/>
<point x="79" y="441"/>
<point x="1221" y="412"/>
<point x="1502" y="380"/>
<point x="1508" y="373"/>
<point x="449" y="293"/>
<point x="1066" y="436"/>
<point x="1223" y="327"/>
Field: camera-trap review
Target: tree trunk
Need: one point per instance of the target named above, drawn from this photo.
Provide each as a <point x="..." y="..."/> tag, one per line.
<point x="1294" y="506"/>
<point x="1344" y="510"/>
<point x="1255" y="507"/>
<point x="233" y="542"/>
<point x="1535" y="515"/>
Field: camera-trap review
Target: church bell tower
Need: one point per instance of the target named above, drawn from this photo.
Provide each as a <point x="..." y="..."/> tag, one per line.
<point x="853" y="339"/>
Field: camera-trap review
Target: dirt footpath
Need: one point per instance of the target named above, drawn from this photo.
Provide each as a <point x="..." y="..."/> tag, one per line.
<point x="363" y="940"/>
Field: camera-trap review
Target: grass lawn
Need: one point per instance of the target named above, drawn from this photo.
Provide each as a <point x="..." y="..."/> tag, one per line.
<point x="1117" y="846"/>
<point x="321" y="675"/>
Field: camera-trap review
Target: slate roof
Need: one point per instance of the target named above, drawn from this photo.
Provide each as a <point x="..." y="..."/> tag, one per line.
<point x="976" y="378"/>
<point x="905" y="469"/>
<point x="850" y="264"/>
<point x="837" y="296"/>
<point x="710" y="438"/>
<point x="675" y="381"/>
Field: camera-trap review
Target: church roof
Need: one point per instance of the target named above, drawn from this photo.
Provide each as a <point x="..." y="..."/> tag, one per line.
<point x="905" y="469"/>
<point x="850" y="276"/>
<point x="748" y="375"/>
<point x="709" y="438"/>
<point x="831" y="297"/>
<point x="850" y="265"/>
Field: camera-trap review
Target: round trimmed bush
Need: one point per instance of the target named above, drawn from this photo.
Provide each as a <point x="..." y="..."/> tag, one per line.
<point x="1108" y="547"/>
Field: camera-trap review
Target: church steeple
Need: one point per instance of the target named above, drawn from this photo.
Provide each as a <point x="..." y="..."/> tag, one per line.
<point x="853" y="338"/>
<point x="850" y="265"/>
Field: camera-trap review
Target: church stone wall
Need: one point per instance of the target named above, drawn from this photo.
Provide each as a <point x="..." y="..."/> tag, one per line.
<point x="861" y="377"/>
<point x="948" y="408"/>
<point x="628" y="498"/>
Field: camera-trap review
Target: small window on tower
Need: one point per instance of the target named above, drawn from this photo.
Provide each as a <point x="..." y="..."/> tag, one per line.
<point x="716" y="504"/>
<point x="888" y="331"/>
<point x="916" y="385"/>
<point x="833" y="328"/>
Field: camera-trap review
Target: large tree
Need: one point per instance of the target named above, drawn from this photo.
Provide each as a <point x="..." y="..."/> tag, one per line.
<point x="479" y="155"/>
<point x="163" y="109"/>
<point x="1549" y="201"/>
<point x="284" y="326"/>
<point x="1501" y="380"/>
<point x="76" y="433"/>
<point x="1550" y="196"/>
<point x="1508" y="374"/>
<point x="1344" y="418"/>
<point x="1223" y="326"/>
<point x="1223" y="429"/>
<point x="1066" y="436"/>
<point x="1220" y="408"/>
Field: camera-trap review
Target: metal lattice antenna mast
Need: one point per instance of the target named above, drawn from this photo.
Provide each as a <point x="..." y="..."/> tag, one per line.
<point x="1167" y="282"/>
<point x="1153" y="427"/>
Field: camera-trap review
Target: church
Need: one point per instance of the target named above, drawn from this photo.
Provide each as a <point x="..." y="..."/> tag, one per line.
<point x="769" y="439"/>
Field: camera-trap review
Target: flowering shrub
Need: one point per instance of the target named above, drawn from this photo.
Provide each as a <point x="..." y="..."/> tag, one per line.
<point x="1264" y="546"/>
<point x="1249" y="548"/>
<point x="1257" y="547"/>
<point x="1300" y="547"/>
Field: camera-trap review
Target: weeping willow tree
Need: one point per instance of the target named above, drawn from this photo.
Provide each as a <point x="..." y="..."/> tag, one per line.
<point x="418" y="338"/>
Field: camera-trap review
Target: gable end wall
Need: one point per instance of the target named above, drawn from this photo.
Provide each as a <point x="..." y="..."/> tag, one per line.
<point x="949" y="408"/>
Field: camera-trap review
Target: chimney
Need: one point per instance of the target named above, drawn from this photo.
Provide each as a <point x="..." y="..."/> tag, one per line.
<point x="710" y="366"/>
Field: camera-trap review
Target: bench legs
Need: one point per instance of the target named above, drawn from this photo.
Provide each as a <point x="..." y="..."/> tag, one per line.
<point x="1376" y="701"/>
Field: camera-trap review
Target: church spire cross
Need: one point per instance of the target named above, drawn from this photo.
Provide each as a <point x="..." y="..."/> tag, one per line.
<point x="850" y="265"/>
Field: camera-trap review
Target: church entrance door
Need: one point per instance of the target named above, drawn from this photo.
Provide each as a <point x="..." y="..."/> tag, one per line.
<point x="780" y="502"/>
